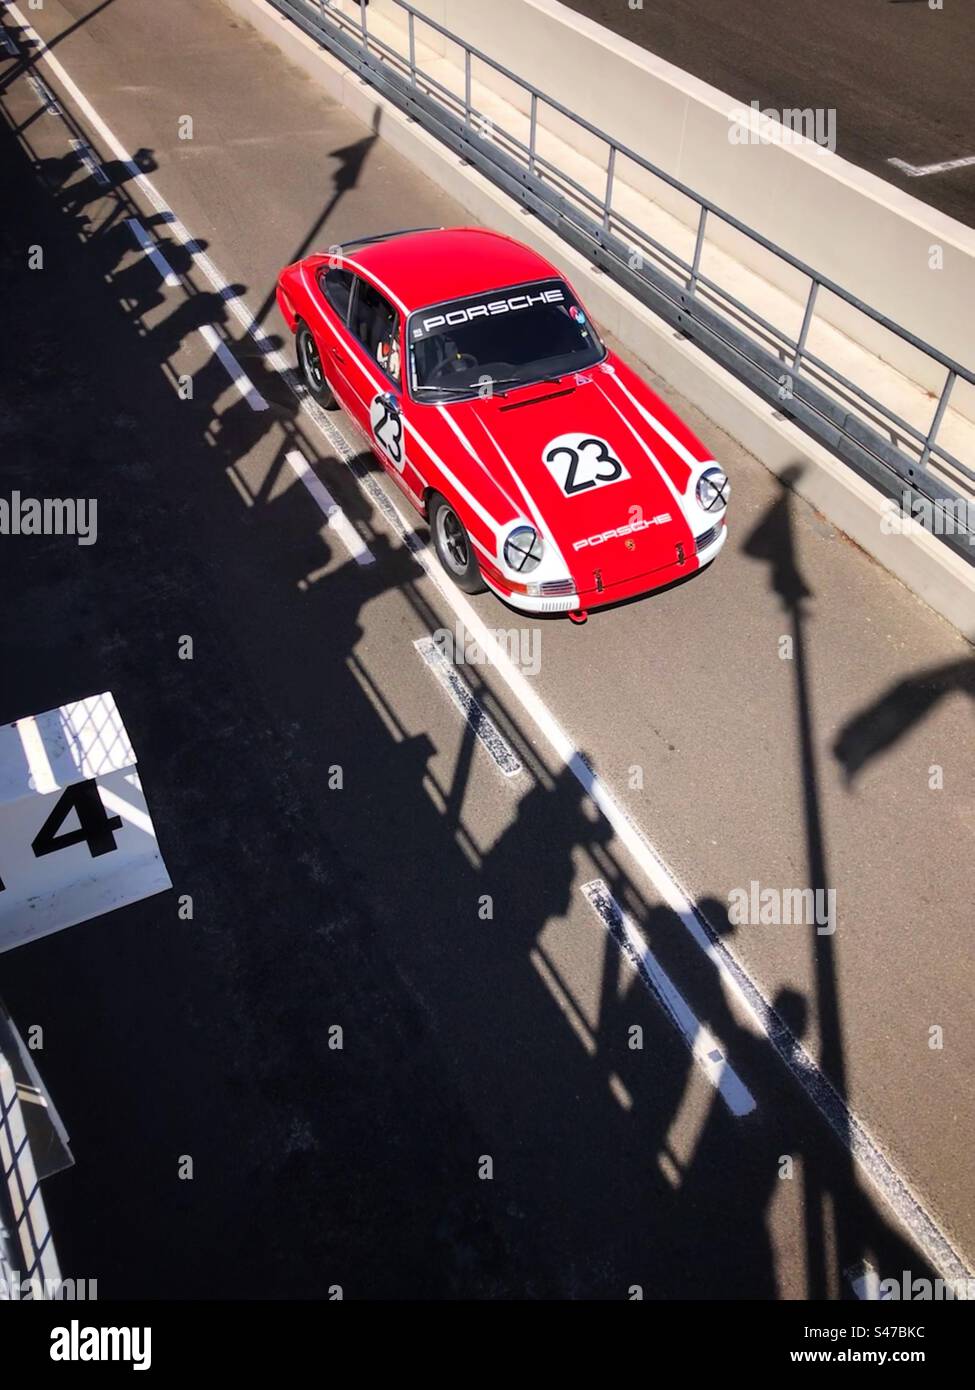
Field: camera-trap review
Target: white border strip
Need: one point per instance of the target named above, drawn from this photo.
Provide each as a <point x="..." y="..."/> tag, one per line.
<point x="709" y="1054"/>
<point x="501" y="751"/>
<point x="331" y="510"/>
<point x="234" y="370"/>
<point x="150" y="249"/>
<point x="88" y="158"/>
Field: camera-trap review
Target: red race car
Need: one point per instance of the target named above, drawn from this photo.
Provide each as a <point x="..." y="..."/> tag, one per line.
<point x="549" y="471"/>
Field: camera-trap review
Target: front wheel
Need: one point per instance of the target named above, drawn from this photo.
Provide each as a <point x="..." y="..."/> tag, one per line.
<point x="454" y="547"/>
<point x="310" y="361"/>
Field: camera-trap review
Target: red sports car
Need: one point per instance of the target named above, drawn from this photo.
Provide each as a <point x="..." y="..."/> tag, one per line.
<point x="549" y="472"/>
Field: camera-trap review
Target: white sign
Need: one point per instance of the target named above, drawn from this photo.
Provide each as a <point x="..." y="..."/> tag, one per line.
<point x="581" y="462"/>
<point x="76" y="838"/>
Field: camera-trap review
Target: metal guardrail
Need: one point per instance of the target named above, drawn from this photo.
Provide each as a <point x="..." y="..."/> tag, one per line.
<point x="894" y="455"/>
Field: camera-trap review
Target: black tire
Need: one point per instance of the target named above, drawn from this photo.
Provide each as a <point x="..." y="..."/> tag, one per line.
<point x="310" y="366"/>
<point x="453" y="546"/>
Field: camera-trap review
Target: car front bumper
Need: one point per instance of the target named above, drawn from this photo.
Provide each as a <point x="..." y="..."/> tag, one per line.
<point x="631" y="587"/>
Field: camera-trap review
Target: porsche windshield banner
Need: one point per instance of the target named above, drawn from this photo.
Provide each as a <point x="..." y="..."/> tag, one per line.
<point x="428" y="322"/>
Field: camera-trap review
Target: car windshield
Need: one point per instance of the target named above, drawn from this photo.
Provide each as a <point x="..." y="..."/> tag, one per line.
<point x="502" y="339"/>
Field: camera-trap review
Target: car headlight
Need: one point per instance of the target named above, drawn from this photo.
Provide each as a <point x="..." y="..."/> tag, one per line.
<point x="523" y="550"/>
<point x="713" y="489"/>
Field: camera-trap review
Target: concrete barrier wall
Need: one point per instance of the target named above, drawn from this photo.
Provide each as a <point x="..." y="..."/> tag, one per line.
<point x="868" y="236"/>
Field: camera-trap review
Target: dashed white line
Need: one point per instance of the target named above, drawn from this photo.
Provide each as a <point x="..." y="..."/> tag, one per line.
<point x="848" y="1127"/>
<point x="234" y="370"/>
<point x="333" y="513"/>
<point x="150" y="249"/>
<point x="484" y="727"/>
<point x="920" y="171"/>
<point x="88" y="158"/>
<point x="708" y="1053"/>
<point x="44" y="94"/>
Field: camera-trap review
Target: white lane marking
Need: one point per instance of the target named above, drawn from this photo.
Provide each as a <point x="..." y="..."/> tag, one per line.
<point x="920" y="171"/>
<point x="44" y="94"/>
<point x="234" y="370"/>
<point x="709" y="1054"/>
<point x="482" y="724"/>
<point x="850" y="1130"/>
<point x="89" y="159"/>
<point x="150" y="249"/>
<point x="333" y="513"/>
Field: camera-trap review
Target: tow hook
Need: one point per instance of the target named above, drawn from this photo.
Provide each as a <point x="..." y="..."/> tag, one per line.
<point x="598" y="576"/>
<point x="578" y="615"/>
<point x="680" y="553"/>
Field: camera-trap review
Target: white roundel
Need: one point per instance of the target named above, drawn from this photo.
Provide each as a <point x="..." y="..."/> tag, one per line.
<point x="580" y="462"/>
<point x="386" y="424"/>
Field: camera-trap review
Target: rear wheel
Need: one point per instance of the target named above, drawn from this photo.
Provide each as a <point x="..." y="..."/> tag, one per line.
<point x="453" y="546"/>
<point x="310" y="362"/>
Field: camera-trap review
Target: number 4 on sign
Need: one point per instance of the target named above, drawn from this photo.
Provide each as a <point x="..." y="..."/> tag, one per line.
<point x="95" y="826"/>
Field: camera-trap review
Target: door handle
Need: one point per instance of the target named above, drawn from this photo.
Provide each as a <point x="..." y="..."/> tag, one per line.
<point x="337" y="354"/>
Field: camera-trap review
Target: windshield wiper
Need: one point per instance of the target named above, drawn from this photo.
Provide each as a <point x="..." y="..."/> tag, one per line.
<point x="512" y="381"/>
<point x="448" y="390"/>
<point x="504" y="381"/>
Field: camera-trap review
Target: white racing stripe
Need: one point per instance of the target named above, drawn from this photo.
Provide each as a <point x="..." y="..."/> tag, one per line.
<point x="150" y="249"/>
<point x="848" y="1127"/>
<point x="234" y="370"/>
<point x="333" y="513"/>
<point x="708" y="1053"/>
<point x="501" y="751"/>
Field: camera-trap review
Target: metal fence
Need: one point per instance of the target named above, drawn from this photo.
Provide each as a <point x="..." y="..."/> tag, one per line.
<point x="896" y="456"/>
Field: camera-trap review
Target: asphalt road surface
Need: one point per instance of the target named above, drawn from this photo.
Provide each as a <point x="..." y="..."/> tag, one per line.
<point x="897" y="73"/>
<point x="472" y="1030"/>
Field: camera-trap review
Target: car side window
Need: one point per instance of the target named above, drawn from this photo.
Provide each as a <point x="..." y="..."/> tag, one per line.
<point x="337" y="287"/>
<point x="376" y="324"/>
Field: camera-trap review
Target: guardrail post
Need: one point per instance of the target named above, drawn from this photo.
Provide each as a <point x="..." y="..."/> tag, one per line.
<point x="698" y="245"/>
<point x="806" y="321"/>
<point x="467" y="86"/>
<point x="938" y="417"/>
<point x="412" y="33"/>
<point x="607" y="201"/>
<point x="363" y="25"/>
<point x="532" y="128"/>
